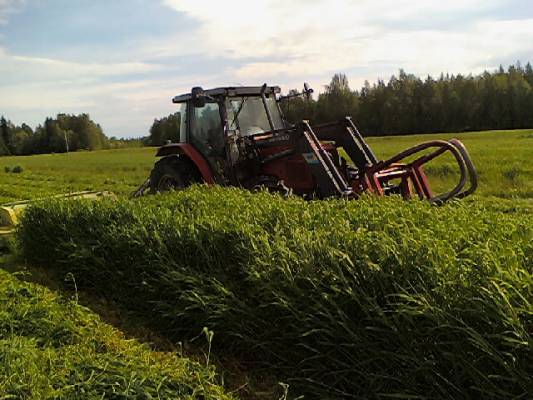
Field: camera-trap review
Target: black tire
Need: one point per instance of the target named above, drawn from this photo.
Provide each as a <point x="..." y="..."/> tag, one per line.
<point x="173" y="173"/>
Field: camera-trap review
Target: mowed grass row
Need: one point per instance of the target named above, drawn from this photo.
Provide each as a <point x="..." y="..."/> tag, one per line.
<point x="503" y="159"/>
<point x="120" y="171"/>
<point x="53" y="348"/>
<point x="362" y="299"/>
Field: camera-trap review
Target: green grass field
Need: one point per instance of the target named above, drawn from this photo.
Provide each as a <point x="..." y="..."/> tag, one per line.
<point x="504" y="161"/>
<point x="376" y="298"/>
<point x="51" y="347"/>
<point x="367" y="299"/>
<point x="118" y="170"/>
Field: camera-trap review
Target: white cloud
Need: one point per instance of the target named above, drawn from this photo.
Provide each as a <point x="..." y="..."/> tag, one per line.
<point x="34" y="88"/>
<point x="243" y="28"/>
<point x="48" y="69"/>
<point x="303" y="38"/>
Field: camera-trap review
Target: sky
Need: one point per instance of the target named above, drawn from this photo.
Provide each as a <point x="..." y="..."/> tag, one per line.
<point x="122" y="61"/>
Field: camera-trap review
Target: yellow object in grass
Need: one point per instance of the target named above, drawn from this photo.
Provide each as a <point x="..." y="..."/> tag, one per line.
<point x="10" y="212"/>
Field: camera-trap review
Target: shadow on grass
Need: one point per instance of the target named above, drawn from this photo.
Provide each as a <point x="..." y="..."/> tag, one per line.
<point x="233" y="375"/>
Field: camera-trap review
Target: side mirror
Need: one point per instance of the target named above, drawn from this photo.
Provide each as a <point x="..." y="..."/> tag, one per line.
<point x="198" y="97"/>
<point x="307" y="91"/>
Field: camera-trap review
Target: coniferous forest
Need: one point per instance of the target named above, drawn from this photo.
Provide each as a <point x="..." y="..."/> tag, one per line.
<point x="407" y="104"/>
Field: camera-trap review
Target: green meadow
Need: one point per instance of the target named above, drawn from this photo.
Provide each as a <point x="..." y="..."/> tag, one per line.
<point x="52" y="347"/>
<point x="504" y="160"/>
<point x="335" y="299"/>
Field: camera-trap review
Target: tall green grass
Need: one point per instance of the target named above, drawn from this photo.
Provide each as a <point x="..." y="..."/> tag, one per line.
<point x="376" y="298"/>
<point x="53" y="348"/>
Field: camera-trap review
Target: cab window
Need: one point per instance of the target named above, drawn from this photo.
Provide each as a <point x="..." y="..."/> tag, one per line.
<point x="207" y="133"/>
<point x="183" y="122"/>
<point x="249" y="117"/>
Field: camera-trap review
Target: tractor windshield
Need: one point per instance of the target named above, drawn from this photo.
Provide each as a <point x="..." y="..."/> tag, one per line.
<point x="248" y="115"/>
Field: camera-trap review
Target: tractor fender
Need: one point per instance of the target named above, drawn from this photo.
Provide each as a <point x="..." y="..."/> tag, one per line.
<point x="187" y="150"/>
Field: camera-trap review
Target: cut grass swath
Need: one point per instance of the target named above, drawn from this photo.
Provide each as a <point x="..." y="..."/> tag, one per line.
<point x="53" y="348"/>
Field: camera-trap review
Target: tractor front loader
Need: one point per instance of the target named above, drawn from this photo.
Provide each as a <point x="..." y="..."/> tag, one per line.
<point x="237" y="136"/>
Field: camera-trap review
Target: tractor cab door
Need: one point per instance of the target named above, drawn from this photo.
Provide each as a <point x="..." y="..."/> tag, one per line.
<point x="207" y="136"/>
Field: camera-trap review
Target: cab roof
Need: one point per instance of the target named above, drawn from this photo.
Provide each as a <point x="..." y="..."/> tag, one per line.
<point x="230" y="91"/>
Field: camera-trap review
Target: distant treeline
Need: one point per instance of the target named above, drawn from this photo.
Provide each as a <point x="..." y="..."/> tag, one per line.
<point x="406" y="104"/>
<point x="57" y="135"/>
<point x="64" y="133"/>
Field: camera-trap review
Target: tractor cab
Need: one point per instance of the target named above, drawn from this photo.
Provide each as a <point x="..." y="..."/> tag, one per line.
<point x="215" y="122"/>
<point x="237" y="136"/>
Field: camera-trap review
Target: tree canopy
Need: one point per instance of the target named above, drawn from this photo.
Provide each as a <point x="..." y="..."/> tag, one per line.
<point x="407" y="104"/>
<point x="165" y="129"/>
<point x="64" y="133"/>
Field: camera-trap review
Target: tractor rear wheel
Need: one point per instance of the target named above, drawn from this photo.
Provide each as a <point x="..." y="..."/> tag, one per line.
<point x="173" y="173"/>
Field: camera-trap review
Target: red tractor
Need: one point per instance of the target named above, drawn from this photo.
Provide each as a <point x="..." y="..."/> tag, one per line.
<point x="237" y="136"/>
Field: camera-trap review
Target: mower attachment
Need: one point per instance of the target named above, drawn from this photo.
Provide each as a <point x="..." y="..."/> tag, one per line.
<point x="11" y="212"/>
